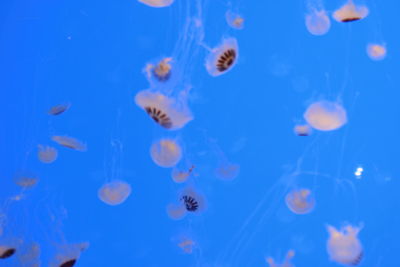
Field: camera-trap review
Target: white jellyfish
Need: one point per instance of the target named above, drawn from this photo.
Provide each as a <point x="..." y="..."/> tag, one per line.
<point x="166" y="152"/>
<point x="59" y="109"/>
<point x="325" y="115"/>
<point x="114" y="192"/>
<point x="343" y="245"/>
<point x="157" y="3"/>
<point x="317" y="21"/>
<point x="302" y="130"/>
<point x="222" y="58"/>
<point x="350" y="12"/>
<point x="68" y="254"/>
<point x="47" y="154"/>
<point x="300" y="201"/>
<point x="285" y="263"/>
<point x="235" y="20"/>
<point x="376" y="51"/>
<point x="69" y="142"/>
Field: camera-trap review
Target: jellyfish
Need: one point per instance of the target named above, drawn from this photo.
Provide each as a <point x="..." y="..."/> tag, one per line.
<point x="180" y="176"/>
<point x="222" y="58"/>
<point x="47" y="154"/>
<point x="176" y="211"/>
<point x="300" y="201"/>
<point x="26" y="181"/>
<point x="29" y="256"/>
<point x="343" y="245"/>
<point x="157" y="3"/>
<point x="376" y="51"/>
<point x="68" y="255"/>
<point x="317" y="21"/>
<point x="350" y="12"/>
<point x="187" y="245"/>
<point x="9" y="246"/>
<point x="161" y="71"/>
<point x="6" y="252"/>
<point x="302" y="130"/>
<point x="59" y="109"/>
<point x="114" y="192"/>
<point x="285" y="263"/>
<point x="166" y="152"/>
<point x="234" y="20"/>
<point x="69" y="142"/>
<point x="192" y="201"/>
<point x="325" y="115"/>
<point x="227" y="170"/>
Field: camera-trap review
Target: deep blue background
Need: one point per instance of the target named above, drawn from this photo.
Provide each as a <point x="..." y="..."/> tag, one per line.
<point x="91" y="54"/>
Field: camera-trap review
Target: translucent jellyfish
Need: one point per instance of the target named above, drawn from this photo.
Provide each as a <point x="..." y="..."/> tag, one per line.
<point x="59" y="109"/>
<point x="157" y="3"/>
<point x="193" y="201"/>
<point x="8" y="247"/>
<point x="350" y="12"/>
<point x="161" y="71"/>
<point x="300" y="201"/>
<point x="302" y="130"/>
<point x="114" y="193"/>
<point x="176" y="211"/>
<point x="344" y="246"/>
<point x="26" y="181"/>
<point x="223" y="57"/>
<point x="47" y="154"/>
<point x="166" y="152"/>
<point x="187" y="245"/>
<point x="376" y="51"/>
<point x="234" y="20"/>
<point x="69" y="142"/>
<point x="180" y="176"/>
<point x="227" y="170"/>
<point x="317" y="21"/>
<point x="285" y="263"/>
<point x="325" y="115"/>
<point x="68" y="255"/>
<point x="29" y="256"/>
<point x="165" y="111"/>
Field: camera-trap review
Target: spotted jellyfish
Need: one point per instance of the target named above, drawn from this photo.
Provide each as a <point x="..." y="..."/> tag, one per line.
<point x="47" y="154"/>
<point x="325" y="115"/>
<point x="300" y="201"/>
<point x="222" y="58"/>
<point x="343" y="245"/>
<point x="376" y="51"/>
<point x="114" y="192"/>
<point x="285" y="263"/>
<point x="166" y="152"/>
<point x="157" y="3"/>
<point x="350" y="12"/>
<point x="317" y="21"/>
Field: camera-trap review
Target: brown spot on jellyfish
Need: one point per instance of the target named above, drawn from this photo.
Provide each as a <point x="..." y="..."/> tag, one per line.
<point x="9" y="246"/>
<point x="376" y="51"/>
<point x="223" y="57"/>
<point x="300" y="201"/>
<point x="59" y="109"/>
<point x="114" y="192"/>
<point x="302" y="130"/>
<point x="69" y="142"/>
<point x="169" y="113"/>
<point x="157" y="3"/>
<point x="234" y="20"/>
<point x="325" y="115"/>
<point x="166" y="152"/>
<point x="343" y="245"/>
<point x="285" y="263"/>
<point x="6" y="252"/>
<point x="161" y="71"/>
<point x="317" y="21"/>
<point x="47" y="154"/>
<point x="68" y="255"/>
<point x="350" y="12"/>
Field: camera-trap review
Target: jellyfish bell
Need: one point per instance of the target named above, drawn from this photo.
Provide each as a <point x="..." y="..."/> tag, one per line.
<point x="317" y="22"/>
<point x="68" y="254"/>
<point x="69" y="142"/>
<point x="181" y="176"/>
<point x="325" y="115"/>
<point x="114" y="193"/>
<point x="343" y="245"/>
<point x="222" y="58"/>
<point x="168" y="112"/>
<point x="159" y="71"/>
<point x="376" y="51"/>
<point x="234" y="20"/>
<point x="176" y="211"/>
<point x="350" y="12"/>
<point x="59" y="109"/>
<point x="300" y="201"/>
<point x="187" y="245"/>
<point x="166" y="152"/>
<point x="47" y="154"/>
<point x="26" y="179"/>
<point x="157" y="3"/>
<point x="9" y="247"/>
<point x="192" y="200"/>
<point x="302" y="130"/>
<point x="286" y="262"/>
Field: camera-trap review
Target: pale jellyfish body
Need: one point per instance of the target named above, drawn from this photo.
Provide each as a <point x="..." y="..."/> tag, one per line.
<point x="350" y="12"/>
<point x="68" y="255"/>
<point x="234" y="20"/>
<point x="59" y="109"/>
<point x="166" y="153"/>
<point x="180" y="176"/>
<point x="159" y="71"/>
<point x="26" y="182"/>
<point x="8" y="247"/>
<point x="376" y="51"/>
<point x="187" y="245"/>
<point x="317" y="22"/>
<point x="176" y="211"/>
<point x="69" y="142"/>
<point x="343" y="245"/>
<point x="115" y="192"/>
<point x="325" y="116"/>
<point x="227" y="171"/>
<point x="285" y="263"/>
<point x="223" y="57"/>
<point x="47" y="154"/>
<point x="157" y="3"/>
<point x="300" y="201"/>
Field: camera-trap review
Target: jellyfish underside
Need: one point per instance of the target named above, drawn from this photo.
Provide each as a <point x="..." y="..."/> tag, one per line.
<point x="114" y="193"/>
<point x="300" y="201"/>
<point x="176" y="211"/>
<point x="166" y="153"/>
<point x="68" y="255"/>
<point x="69" y="142"/>
<point x="325" y="116"/>
<point x="6" y="252"/>
<point x="350" y="12"/>
<point x="344" y="246"/>
<point x="59" y="109"/>
<point x="180" y="176"/>
<point x="26" y="182"/>
<point x="285" y="263"/>
<point x="161" y="71"/>
<point x="190" y="202"/>
<point x="222" y="58"/>
<point x="47" y="154"/>
<point x="157" y="3"/>
<point x="302" y="130"/>
<point x="317" y="22"/>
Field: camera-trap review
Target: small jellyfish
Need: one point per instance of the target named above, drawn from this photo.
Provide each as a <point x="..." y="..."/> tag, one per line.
<point x="26" y="181"/>
<point x="300" y="201"/>
<point x="350" y="12"/>
<point x="180" y="176"/>
<point x="69" y="142"/>
<point x="47" y="154"/>
<point x="227" y="171"/>
<point x="114" y="193"/>
<point x="8" y="247"/>
<point x="29" y="255"/>
<point x="302" y="130"/>
<point x="376" y="51"/>
<point x="161" y="71"/>
<point x="285" y="263"/>
<point x="166" y="152"/>
<point x="157" y="3"/>
<point x="68" y="255"/>
<point x="59" y="109"/>
<point x="170" y="113"/>
<point x="223" y="57"/>
<point x="187" y="245"/>
<point x="176" y="211"/>
<point x="343" y="245"/>
<point x="325" y="116"/>
<point x="234" y="20"/>
<point x="193" y="201"/>
<point x="317" y="22"/>
<point x="6" y="252"/>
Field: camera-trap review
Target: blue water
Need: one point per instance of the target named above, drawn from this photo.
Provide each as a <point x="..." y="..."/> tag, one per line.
<point x="92" y="53"/>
